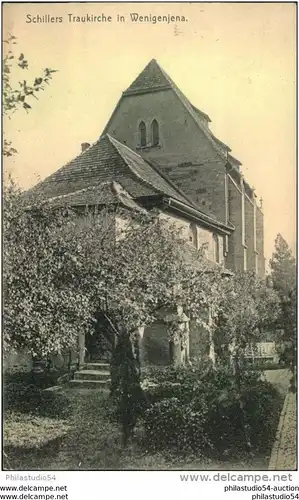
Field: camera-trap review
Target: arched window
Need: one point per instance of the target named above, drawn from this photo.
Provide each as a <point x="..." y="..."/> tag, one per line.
<point x="193" y="234"/>
<point x="142" y="134"/>
<point x="155" y="133"/>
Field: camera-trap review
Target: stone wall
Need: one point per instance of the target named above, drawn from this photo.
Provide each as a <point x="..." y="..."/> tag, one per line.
<point x="199" y="341"/>
<point x="235" y="257"/>
<point x="187" y="155"/>
<point x="17" y="362"/>
<point x="154" y="348"/>
<point x="204" y="236"/>
<point x="249" y="233"/>
<point x="22" y="361"/>
<point x="183" y="147"/>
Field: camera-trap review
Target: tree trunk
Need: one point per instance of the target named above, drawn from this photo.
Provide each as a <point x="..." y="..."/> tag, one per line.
<point x="125" y="384"/>
<point x="175" y="353"/>
<point x="81" y="347"/>
<point x="238" y="366"/>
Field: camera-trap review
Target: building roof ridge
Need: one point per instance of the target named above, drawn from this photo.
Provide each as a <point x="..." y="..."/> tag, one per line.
<point x="119" y="145"/>
<point x="92" y="187"/>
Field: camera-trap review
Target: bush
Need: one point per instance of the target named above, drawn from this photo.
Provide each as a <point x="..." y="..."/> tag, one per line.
<point x="170" y="423"/>
<point x="43" y="379"/>
<point x="201" y="409"/>
<point x="263" y="364"/>
<point x="32" y="400"/>
<point x="270" y="366"/>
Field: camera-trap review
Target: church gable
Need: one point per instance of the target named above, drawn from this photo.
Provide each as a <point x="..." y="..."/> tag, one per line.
<point x="176" y="145"/>
<point x="154" y="118"/>
<point x="132" y="124"/>
<point x="152" y="80"/>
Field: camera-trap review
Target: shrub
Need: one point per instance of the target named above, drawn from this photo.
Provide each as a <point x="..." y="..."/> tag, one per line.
<point x="169" y="423"/>
<point x="202" y="409"/>
<point x="32" y="400"/>
<point x="43" y="379"/>
<point x="268" y="365"/>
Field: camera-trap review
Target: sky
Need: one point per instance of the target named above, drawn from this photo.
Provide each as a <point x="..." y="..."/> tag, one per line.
<point x="236" y="62"/>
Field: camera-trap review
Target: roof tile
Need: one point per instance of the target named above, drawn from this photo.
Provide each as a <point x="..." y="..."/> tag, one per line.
<point x="102" y="194"/>
<point x="150" y="78"/>
<point x="105" y="161"/>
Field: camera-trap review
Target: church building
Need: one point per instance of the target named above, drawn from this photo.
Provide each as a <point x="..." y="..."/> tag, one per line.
<point x="154" y="118"/>
<point x="157" y="136"/>
<point x="157" y="151"/>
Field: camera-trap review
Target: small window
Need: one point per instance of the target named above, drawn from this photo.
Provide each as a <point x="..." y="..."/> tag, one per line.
<point x="155" y="133"/>
<point x="193" y="234"/>
<point x="142" y="134"/>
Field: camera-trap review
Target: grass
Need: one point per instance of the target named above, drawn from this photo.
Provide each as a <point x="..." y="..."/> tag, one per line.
<point x="68" y="429"/>
<point x="31" y="440"/>
<point x="279" y="378"/>
<point x="87" y="440"/>
<point x="83" y="440"/>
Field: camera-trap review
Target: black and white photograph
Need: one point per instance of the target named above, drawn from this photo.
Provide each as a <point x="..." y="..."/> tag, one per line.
<point x="149" y="276"/>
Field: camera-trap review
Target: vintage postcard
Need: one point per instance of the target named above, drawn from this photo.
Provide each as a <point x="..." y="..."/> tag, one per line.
<point x="149" y="245"/>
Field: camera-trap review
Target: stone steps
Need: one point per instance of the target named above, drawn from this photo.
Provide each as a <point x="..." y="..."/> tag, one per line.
<point x="90" y="384"/>
<point x="96" y="366"/>
<point x="92" y="375"/>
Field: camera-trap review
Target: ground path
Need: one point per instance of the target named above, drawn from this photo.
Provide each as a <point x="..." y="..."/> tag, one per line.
<point x="283" y="456"/>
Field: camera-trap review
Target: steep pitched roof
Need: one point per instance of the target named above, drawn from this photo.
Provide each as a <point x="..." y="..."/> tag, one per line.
<point x="107" y="193"/>
<point x="108" y="160"/>
<point x="154" y="78"/>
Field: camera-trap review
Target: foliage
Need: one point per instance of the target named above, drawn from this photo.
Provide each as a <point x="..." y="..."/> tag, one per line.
<point x="61" y="269"/>
<point x="199" y="409"/>
<point x="87" y="440"/>
<point x="248" y="305"/>
<point x="283" y="278"/>
<point x="17" y="95"/>
<point x="43" y="379"/>
<point x="43" y="309"/>
<point x="283" y="267"/>
<point x="262" y="365"/>
<point x="64" y="269"/>
<point x="29" y="399"/>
